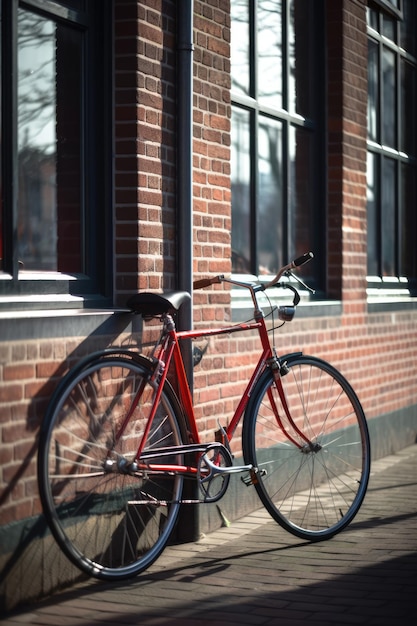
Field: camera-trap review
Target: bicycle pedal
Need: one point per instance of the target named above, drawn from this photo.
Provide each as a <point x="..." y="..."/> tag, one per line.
<point x="252" y="478"/>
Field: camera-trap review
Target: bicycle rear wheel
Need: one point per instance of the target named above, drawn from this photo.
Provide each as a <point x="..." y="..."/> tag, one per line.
<point x="111" y="522"/>
<point x="312" y="488"/>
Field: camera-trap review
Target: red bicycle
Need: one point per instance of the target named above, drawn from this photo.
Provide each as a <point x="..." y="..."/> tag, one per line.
<point x="117" y="442"/>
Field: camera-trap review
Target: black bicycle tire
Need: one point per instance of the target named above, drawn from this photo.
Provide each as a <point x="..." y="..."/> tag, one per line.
<point x="86" y="563"/>
<point x="284" y="456"/>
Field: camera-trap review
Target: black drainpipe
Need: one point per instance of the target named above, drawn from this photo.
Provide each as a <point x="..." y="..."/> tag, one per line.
<point x="185" y="11"/>
<point x="188" y="528"/>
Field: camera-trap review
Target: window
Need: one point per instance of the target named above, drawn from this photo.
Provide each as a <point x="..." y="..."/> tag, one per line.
<point x="392" y="144"/>
<point x="277" y="158"/>
<point x="54" y="151"/>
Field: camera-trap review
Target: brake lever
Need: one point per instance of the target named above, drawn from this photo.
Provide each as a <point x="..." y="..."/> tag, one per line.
<point x="289" y="273"/>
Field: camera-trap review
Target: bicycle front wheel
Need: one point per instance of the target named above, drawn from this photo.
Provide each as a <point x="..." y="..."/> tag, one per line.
<point x="314" y="466"/>
<point x="109" y="519"/>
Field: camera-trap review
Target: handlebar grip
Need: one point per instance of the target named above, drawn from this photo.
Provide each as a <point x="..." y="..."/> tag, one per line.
<point x="206" y="282"/>
<point x="303" y="259"/>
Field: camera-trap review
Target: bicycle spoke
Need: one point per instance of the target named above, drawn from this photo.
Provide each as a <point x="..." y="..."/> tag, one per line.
<point x="312" y="488"/>
<point x="109" y="519"/>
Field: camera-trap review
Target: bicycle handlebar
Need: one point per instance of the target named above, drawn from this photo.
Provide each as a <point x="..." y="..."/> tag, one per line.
<point x="305" y="258"/>
<point x="206" y="282"/>
<point x="301" y="260"/>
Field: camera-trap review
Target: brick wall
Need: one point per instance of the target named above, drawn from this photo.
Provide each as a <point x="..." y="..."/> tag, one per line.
<point x="145" y="124"/>
<point x="376" y="351"/>
<point x="347" y="108"/>
<point x="29" y="372"/>
<point x="211" y="146"/>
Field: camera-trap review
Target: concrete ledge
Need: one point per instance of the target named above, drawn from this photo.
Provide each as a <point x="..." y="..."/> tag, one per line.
<point x="48" y="324"/>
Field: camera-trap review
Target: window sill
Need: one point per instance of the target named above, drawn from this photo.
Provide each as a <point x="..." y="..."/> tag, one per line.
<point x="390" y="295"/>
<point x="49" y="290"/>
<point x="25" y="325"/>
<point x="50" y="301"/>
<point x="381" y="303"/>
<point x="242" y="308"/>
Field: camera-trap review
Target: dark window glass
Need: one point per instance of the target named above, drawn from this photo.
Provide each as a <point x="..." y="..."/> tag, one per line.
<point x="408" y="221"/>
<point x="301" y="51"/>
<point x="408" y="108"/>
<point x="407" y="26"/>
<point x="78" y="5"/>
<point x="301" y="201"/>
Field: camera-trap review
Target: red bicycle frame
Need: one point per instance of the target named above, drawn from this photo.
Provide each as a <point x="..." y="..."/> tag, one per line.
<point x="169" y="349"/>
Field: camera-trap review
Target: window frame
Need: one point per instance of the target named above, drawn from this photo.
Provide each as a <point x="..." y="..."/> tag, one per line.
<point x="289" y="120"/>
<point x="30" y="289"/>
<point x="388" y="288"/>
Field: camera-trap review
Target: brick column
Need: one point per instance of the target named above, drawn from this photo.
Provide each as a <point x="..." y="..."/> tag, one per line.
<point x="347" y="127"/>
<point x="145" y="122"/>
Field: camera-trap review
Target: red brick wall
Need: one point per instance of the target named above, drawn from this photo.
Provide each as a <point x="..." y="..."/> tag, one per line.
<point x="347" y="109"/>
<point x="145" y="109"/>
<point x="211" y="147"/>
<point x="376" y="351"/>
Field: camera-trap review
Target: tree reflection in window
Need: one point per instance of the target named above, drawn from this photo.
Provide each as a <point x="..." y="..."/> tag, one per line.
<point x="49" y="122"/>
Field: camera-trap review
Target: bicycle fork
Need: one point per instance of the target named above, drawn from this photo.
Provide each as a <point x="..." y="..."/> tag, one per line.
<point x="279" y="370"/>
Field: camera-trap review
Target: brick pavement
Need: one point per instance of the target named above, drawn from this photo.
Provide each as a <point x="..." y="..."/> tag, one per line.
<point x="255" y="573"/>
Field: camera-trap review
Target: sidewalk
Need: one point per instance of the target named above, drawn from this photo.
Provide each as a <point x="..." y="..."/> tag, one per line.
<point x="255" y="573"/>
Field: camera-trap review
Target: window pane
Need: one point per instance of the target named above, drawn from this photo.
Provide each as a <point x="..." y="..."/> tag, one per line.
<point x="373" y="109"/>
<point x="300" y="50"/>
<point x="408" y="251"/>
<point x="270" y="232"/>
<point x="270" y="53"/>
<point x="300" y="228"/>
<point x="240" y="164"/>
<point x="36" y="142"/>
<point x="69" y="124"/>
<point x="78" y="5"/>
<point x="409" y="104"/>
<point x="372" y="18"/>
<point x="388" y="27"/>
<point x="388" y="217"/>
<point x="408" y="27"/>
<point x="240" y="46"/>
<point x="389" y="103"/>
<point x="372" y="208"/>
<point x="49" y="97"/>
